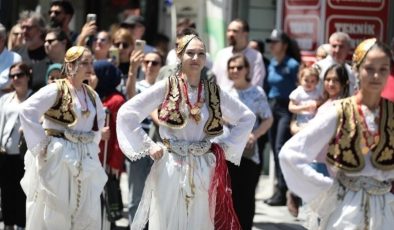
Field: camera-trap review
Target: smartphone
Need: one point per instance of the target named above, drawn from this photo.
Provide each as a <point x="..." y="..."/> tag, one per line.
<point x="114" y="55"/>
<point x="91" y="17"/>
<point x="139" y="45"/>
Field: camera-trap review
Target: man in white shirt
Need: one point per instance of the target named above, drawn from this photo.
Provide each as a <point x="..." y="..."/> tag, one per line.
<point x="340" y="47"/>
<point x="7" y="58"/>
<point x="238" y="39"/>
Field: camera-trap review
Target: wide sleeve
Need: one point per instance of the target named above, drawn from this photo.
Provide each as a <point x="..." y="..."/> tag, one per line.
<point x="297" y="154"/>
<point x="242" y="120"/>
<point x="133" y="140"/>
<point x="32" y="110"/>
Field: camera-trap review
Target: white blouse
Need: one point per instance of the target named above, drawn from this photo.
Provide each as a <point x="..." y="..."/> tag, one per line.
<point x="304" y="147"/>
<point x="135" y="143"/>
<point x="40" y="102"/>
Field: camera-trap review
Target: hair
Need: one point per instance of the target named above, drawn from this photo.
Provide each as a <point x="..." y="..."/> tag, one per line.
<point x="342" y="36"/>
<point x="325" y="48"/>
<point x="186" y="31"/>
<point x="244" y="60"/>
<point x="161" y="56"/>
<point x="245" y="24"/>
<point x="260" y="45"/>
<point x="186" y="22"/>
<point x="60" y="35"/>
<point x="123" y="34"/>
<point x="37" y="19"/>
<point x="65" y="5"/>
<point x="11" y="37"/>
<point x="3" y="32"/>
<point x="26" y="69"/>
<point x="293" y="50"/>
<point x="343" y="78"/>
<point x="308" y="71"/>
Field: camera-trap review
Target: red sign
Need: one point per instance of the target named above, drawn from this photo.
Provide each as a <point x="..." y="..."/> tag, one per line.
<point x="367" y="5"/>
<point x="358" y="27"/>
<point x="304" y="29"/>
<point x="301" y="22"/>
<point x="360" y="19"/>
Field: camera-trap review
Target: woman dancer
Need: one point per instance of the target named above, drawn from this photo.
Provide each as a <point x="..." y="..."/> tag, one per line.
<point x="187" y="186"/>
<point x="64" y="177"/>
<point x="358" y="134"/>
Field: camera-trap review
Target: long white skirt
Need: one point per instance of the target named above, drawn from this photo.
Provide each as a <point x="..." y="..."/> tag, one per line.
<point x="176" y="194"/>
<point x="63" y="187"/>
<point x="349" y="213"/>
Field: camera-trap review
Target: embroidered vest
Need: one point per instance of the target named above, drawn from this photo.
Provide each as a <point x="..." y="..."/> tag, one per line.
<point x="345" y="147"/>
<point x="171" y="114"/>
<point x="62" y="111"/>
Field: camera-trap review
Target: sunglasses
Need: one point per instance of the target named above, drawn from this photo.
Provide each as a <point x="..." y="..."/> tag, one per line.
<point x="17" y="75"/>
<point x="154" y="63"/>
<point x="50" y="41"/>
<point x="56" y="12"/>
<point x="125" y="45"/>
<point x="238" y="68"/>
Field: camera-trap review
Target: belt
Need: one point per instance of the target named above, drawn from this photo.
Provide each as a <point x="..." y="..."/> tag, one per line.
<point x="54" y="133"/>
<point x="72" y="135"/>
<point x="184" y="148"/>
<point x="368" y="184"/>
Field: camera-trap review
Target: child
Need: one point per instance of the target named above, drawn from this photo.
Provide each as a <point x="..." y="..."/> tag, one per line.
<point x="305" y="99"/>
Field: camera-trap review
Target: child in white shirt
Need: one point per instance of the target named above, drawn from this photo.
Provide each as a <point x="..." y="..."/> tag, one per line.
<point x="305" y="99"/>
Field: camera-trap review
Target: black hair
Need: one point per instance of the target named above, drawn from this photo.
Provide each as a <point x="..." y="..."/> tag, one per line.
<point x="260" y="45"/>
<point x="25" y="69"/>
<point x="65" y="5"/>
<point x="343" y="78"/>
<point x="245" y="24"/>
<point x="60" y="36"/>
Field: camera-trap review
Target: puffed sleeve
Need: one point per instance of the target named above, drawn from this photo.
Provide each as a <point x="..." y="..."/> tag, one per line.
<point x="133" y="140"/>
<point x="297" y="154"/>
<point x="242" y="120"/>
<point x="32" y="110"/>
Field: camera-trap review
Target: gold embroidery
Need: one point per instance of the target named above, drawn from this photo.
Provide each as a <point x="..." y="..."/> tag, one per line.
<point x="61" y="112"/>
<point x="348" y="147"/>
<point x="214" y="125"/>
<point x="387" y="154"/>
<point x="348" y="156"/>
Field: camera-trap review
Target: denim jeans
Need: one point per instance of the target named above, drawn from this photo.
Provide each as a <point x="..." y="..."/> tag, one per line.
<point x="279" y="133"/>
<point x="137" y="172"/>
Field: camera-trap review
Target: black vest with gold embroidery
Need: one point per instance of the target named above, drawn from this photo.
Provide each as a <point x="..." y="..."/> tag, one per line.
<point x="170" y="113"/>
<point x="62" y="111"/>
<point x="345" y="148"/>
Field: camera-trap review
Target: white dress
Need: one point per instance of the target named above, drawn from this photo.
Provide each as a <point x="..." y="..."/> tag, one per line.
<point x="322" y="192"/>
<point x="176" y="191"/>
<point x="63" y="179"/>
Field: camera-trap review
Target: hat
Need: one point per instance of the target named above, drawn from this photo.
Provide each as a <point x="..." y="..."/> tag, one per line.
<point x="362" y="50"/>
<point x="278" y="36"/>
<point x="74" y="53"/>
<point x="54" y="66"/>
<point x="133" y="20"/>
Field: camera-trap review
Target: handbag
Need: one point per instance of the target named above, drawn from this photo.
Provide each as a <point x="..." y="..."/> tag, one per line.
<point x="22" y="146"/>
<point x="113" y="199"/>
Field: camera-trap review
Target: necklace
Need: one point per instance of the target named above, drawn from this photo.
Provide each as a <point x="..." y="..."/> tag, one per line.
<point x="369" y="140"/>
<point x="84" y="107"/>
<point x="195" y="110"/>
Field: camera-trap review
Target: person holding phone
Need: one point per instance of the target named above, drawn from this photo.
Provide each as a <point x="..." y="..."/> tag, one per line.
<point x="88" y="31"/>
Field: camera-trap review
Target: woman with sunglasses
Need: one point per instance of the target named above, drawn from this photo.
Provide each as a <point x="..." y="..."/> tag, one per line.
<point x="64" y="177"/>
<point x="129" y="61"/>
<point x="244" y="178"/>
<point x="358" y="133"/>
<point x="187" y="186"/>
<point x="13" y="200"/>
